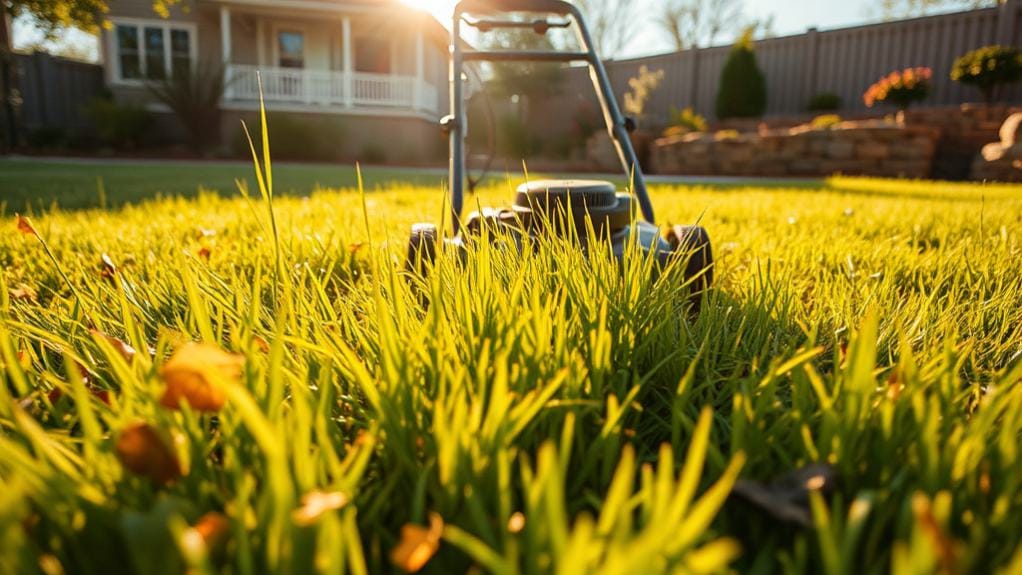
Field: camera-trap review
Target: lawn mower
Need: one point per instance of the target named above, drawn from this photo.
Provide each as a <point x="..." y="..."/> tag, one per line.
<point x="553" y="206"/>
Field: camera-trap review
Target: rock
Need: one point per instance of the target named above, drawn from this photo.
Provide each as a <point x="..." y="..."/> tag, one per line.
<point x="1011" y="130"/>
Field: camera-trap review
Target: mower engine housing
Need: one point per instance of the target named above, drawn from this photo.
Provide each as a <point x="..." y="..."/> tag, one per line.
<point x="567" y="208"/>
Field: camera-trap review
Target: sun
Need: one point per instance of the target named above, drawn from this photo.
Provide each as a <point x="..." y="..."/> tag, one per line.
<point x="440" y="9"/>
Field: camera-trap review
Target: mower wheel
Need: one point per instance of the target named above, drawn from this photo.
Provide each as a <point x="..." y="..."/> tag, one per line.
<point x="694" y="243"/>
<point x="422" y="246"/>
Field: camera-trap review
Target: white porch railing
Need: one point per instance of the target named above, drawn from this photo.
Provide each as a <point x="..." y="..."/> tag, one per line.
<point x="329" y="88"/>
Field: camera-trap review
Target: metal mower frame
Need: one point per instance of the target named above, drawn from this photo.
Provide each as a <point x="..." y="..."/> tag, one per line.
<point x="552" y="206"/>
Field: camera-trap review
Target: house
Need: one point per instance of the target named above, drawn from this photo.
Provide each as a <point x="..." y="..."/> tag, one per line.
<point x="373" y="71"/>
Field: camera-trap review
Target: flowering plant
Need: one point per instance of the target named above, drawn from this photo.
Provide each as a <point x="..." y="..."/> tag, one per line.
<point x="900" y="88"/>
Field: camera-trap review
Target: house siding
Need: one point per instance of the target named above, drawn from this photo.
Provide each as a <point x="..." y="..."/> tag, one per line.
<point x="404" y="135"/>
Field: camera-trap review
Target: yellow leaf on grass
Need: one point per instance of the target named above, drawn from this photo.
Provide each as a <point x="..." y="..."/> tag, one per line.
<point x="418" y="544"/>
<point x="315" y="504"/>
<point x="197" y="373"/>
<point x="23" y="292"/>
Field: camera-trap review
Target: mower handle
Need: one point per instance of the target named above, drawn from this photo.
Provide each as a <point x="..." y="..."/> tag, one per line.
<point x="558" y="7"/>
<point x="618" y="127"/>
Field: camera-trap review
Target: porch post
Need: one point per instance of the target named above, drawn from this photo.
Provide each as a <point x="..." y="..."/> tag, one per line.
<point x="346" y="55"/>
<point x="420" y="71"/>
<point x="225" y="46"/>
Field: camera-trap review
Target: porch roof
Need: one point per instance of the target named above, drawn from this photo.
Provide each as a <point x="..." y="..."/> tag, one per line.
<point x="434" y="28"/>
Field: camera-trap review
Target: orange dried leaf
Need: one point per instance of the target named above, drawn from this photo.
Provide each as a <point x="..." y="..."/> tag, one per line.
<point x="126" y="351"/>
<point x="261" y="343"/>
<point x="142" y="451"/>
<point x="418" y="544"/>
<point x="213" y="527"/>
<point x="204" y="253"/>
<point x="198" y="373"/>
<point x="25" y="226"/>
<point x="315" y="504"/>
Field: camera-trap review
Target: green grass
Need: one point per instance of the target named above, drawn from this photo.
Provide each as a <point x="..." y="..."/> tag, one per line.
<point x="559" y="414"/>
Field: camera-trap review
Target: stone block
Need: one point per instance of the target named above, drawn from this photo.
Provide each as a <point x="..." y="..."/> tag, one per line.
<point x="840" y="149"/>
<point x="905" y="169"/>
<point x="872" y="149"/>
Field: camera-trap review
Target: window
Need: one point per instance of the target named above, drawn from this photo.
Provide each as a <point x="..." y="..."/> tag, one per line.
<point x="290" y="49"/>
<point x="180" y="51"/>
<point x="128" y="52"/>
<point x="372" y="55"/>
<point x="155" y="67"/>
<point x="152" y="50"/>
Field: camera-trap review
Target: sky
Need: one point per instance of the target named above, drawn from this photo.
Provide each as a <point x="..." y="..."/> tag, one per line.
<point x="790" y="17"/>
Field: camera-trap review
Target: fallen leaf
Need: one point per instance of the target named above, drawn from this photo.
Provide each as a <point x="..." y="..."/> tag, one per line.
<point x="109" y="268"/>
<point x="516" y="523"/>
<point x="922" y="508"/>
<point x="126" y="351"/>
<point x="197" y="373"/>
<point x="355" y="247"/>
<point x="204" y="253"/>
<point x="787" y="497"/>
<point x="213" y="527"/>
<point x="315" y="504"/>
<point x="418" y="544"/>
<point x="56" y="394"/>
<point x="261" y="343"/>
<point x="142" y="451"/>
<point x="23" y="292"/>
<point x="25" y="226"/>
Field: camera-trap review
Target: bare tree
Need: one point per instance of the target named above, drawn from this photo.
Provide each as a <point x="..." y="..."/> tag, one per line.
<point x="692" y="23"/>
<point x="611" y="23"/>
<point x="891" y="9"/>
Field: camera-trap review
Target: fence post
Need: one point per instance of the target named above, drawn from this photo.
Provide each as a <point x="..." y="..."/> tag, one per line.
<point x="694" y="80"/>
<point x="812" y="41"/>
<point x="8" y="72"/>
<point x="1006" y="14"/>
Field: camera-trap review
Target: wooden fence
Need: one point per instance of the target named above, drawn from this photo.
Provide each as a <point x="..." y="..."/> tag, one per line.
<point x="843" y="61"/>
<point x="54" y="91"/>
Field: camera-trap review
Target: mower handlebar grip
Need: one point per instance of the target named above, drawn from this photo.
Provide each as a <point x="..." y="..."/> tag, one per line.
<point x="558" y="7"/>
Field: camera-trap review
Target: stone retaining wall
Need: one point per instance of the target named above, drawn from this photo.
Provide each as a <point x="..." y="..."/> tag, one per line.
<point x="963" y="131"/>
<point x="869" y="147"/>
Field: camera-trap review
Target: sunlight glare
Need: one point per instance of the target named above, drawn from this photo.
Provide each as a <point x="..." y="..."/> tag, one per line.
<point x="440" y="9"/>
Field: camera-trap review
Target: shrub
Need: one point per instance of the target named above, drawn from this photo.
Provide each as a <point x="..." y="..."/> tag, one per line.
<point x="687" y="119"/>
<point x="514" y="139"/>
<point x="295" y="137"/>
<point x="49" y="138"/>
<point x="193" y="95"/>
<point x="642" y="87"/>
<point x="989" y="69"/>
<point x="825" y="102"/>
<point x="742" y="92"/>
<point x="585" y="122"/>
<point x="825" y="122"/>
<point x="122" y="126"/>
<point x="900" y="88"/>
